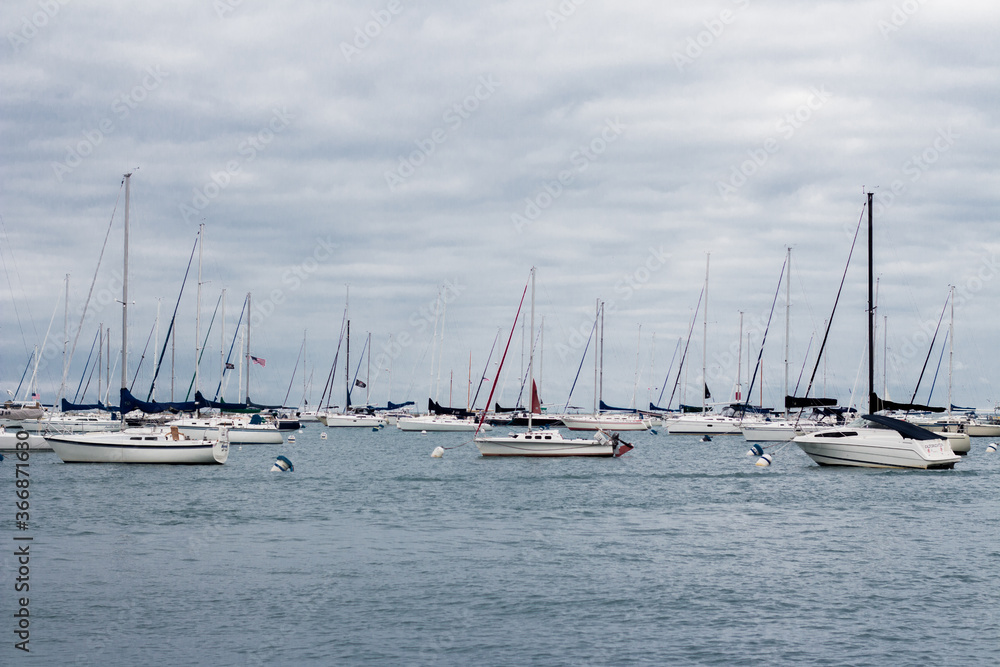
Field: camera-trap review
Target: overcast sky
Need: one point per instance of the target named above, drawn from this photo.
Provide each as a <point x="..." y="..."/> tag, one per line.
<point x="411" y="149"/>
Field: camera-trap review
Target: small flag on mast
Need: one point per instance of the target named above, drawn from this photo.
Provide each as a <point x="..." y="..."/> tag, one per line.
<point x="258" y="360"/>
<point x="359" y="383"/>
<point x="230" y="367"/>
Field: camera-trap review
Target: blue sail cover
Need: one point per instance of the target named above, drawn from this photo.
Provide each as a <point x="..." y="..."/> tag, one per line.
<point x="80" y="407"/>
<point x="436" y="408"/>
<point x="394" y="406"/>
<point x="607" y="408"/>
<point x="877" y="405"/>
<point x="130" y="403"/>
<point x="221" y="405"/>
<point x="656" y="408"/>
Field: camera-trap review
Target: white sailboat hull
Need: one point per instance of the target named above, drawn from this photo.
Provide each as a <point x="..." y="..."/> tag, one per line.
<point x="356" y="421"/>
<point x="438" y="424"/>
<point x="9" y="442"/>
<point x="875" y="448"/>
<point x="141" y="445"/>
<point x="544" y="443"/>
<point x="704" y="425"/>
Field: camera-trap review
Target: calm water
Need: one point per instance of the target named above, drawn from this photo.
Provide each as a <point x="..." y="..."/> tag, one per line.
<point x="371" y="552"/>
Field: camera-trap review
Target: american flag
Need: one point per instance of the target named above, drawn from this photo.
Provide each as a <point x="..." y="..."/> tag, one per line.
<point x="258" y="360"/>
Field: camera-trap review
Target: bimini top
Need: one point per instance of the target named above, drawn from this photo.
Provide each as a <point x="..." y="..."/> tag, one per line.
<point x="905" y="429"/>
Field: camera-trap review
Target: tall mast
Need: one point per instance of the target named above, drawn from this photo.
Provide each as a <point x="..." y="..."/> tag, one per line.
<point x="951" y="345"/>
<point x="531" y="354"/>
<point x="601" y="383"/>
<point x="437" y="388"/>
<point x="597" y="316"/>
<point x="247" y="355"/>
<point x="638" y="348"/>
<point x="128" y="192"/>
<point x="368" y="375"/>
<point x="871" y="314"/>
<point x="788" y="306"/>
<point x="197" y="312"/>
<point x="347" y="370"/>
<point x="62" y="387"/>
<point x="100" y="358"/>
<point x="739" y="361"/>
<point x="704" y="340"/>
<point x="347" y="359"/>
<point x="222" y="340"/>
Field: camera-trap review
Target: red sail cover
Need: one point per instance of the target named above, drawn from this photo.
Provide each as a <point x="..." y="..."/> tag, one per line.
<point x="536" y="405"/>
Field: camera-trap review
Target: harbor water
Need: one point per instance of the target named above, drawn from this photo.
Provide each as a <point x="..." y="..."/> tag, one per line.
<point x="372" y="552"/>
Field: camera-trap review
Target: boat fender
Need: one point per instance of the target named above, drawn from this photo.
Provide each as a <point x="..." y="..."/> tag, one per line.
<point x="375" y="429"/>
<point x="990" y="448"/>
<point x="764" y="461"/>
<point x="438" y="452"/>
<point x="756" y="450"/>
<point x="291" y="438"/>
<point x="706" y="438"/>
<point x="281" y="464"/>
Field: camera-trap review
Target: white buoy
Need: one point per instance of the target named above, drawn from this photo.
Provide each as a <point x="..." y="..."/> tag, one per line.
<point x="756" y="450"/>
<point x="764" y="461"/>
<point x="990" y="448"/>
<point x="423" y="433"/>
<point x="322" y="436"/>
<point x="437" y="453"/>
<point x="291" y="438"/>
<point x="281" y="464"/>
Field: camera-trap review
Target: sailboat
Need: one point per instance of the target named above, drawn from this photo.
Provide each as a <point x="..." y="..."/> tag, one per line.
<point x="600" y="419"/>
<point x="136" y="445"/>
<point x="877" y="441"/>
<point x="545" y="442"/>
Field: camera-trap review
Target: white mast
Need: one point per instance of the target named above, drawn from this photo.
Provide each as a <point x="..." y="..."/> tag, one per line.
<point x="197" y="311"/>
<point x="597" y="315"/>
<point x="156" y="343"/>
<point x="788" y="305"/>
<point x="638" y="348"/>
<point x="128" y="181"/>
<point x="951" y="345"/>
<point x="222" y="344"/>
<point x="704" y="339"/>
<point x="62" y="387"/>
<point x="246" y="357"/>
<point x="437" y="388"/>
<point x="739" y="361"/>
<point x="531" y="353"/>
